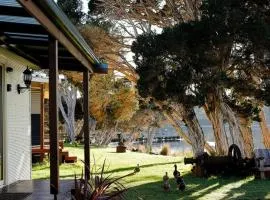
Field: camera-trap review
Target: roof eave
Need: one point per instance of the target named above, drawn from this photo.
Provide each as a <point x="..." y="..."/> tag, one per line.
<point x="52" y="18"/>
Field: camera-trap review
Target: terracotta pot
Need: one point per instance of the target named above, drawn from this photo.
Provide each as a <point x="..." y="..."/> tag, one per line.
<point x="121" y="149"/>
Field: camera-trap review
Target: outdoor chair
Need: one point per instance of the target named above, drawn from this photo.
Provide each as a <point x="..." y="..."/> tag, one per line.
<point x="262" y="157"/>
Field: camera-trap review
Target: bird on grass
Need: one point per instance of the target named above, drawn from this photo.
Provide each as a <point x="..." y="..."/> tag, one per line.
<point x="175" y="172"/>
<point x="179" y="179"/>
<point x="180" y="183"/>
<point x="137" y="169"/>
<point x="166" y="184"/>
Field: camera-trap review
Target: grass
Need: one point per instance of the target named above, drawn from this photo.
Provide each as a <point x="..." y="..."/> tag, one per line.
<point x="147" y="184"/>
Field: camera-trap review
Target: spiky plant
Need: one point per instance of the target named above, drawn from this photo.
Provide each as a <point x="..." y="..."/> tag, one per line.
<point x="101" y="185"/>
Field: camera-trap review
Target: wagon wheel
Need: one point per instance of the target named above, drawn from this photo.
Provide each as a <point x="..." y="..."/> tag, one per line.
<point x="235" y="153"/>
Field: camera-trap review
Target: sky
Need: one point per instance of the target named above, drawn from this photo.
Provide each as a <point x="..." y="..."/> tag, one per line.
<point x="85" y="6"/>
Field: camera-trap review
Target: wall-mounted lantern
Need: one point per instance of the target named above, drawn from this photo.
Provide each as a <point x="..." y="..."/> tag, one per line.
<point x="9" y="86"/>
<point x="27" y="78"/>
<point x="9" y="69"/>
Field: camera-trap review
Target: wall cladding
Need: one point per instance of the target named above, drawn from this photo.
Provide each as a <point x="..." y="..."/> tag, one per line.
<point x="16" y="125"/>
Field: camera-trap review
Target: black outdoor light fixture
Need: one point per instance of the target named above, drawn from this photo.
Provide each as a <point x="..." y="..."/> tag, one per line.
<point x="9" y="69"/>
<point x="27" y="78"/>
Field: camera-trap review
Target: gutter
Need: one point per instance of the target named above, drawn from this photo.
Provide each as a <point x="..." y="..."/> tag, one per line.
<point x="53" y="12"/>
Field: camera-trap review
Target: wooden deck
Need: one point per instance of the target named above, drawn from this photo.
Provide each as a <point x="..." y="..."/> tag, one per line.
<point x="42" y="150"/>
<point x="35" y="190"/>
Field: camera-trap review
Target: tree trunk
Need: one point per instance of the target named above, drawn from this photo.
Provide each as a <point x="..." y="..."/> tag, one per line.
<point x="68" y="94"/>
<point x="265" y="130"/>
<point x="150" y="137"/>
<point x="218" y="113"/>
<point x="245" y="127"/>
<point x="181" y="133"/>
<point x="234" y="126"/>
<point x="92" y="127"/>
<point x="195" y="131"/>
<point x="213" y="112"/>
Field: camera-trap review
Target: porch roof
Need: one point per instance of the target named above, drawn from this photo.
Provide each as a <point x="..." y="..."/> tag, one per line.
<point x="25" y="29"/>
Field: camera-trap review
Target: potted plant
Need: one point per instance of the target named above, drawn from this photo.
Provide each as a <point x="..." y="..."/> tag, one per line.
<point x="121" y="148"/>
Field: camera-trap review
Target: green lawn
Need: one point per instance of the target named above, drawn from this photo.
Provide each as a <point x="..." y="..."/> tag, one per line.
<point x="147" y="184"/>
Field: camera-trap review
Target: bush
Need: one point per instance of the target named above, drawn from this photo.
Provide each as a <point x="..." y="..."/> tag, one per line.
<point x="101" y="185"/>
<point x="166" y="149"/>
<point x="141" y="149"/>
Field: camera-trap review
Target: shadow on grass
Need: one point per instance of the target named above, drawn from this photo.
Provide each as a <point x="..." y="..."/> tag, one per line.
<point x="141" y="166"/>
<point x="255" y="189"/>
<point x="130" y="169"/>
<point x="216" y="188"/>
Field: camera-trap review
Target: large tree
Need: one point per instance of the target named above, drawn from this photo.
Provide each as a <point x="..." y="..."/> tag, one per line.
<point x="67" y="100"/>
<point x="132" y="18"/>
<point x="73" y="10"/>
<point x="112" y="102"/>
<point x="195" y="63"/>
<point x="159" y="74"/>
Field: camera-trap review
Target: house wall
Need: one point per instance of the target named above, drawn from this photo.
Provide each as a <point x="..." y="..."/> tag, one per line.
<point x="16" y="123"/>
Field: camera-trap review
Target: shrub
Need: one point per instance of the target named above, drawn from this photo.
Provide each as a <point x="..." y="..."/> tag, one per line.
<point x="100" y="186"/>
<point x="166" y="149"/>
<point x="141" y="149"/>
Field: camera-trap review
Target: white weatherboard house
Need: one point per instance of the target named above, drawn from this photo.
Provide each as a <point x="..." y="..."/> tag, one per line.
<point x="15" y="135"/>
<point x="37" y="34"/>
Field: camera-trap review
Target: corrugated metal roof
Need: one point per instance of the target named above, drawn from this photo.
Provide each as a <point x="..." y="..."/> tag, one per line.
<point x="24" y="35"/>
<point x="19" y="20"/>
<point x="31" y="38"/>
<point x="10" y="3"/>
<point x="62" y="21"/>
<point x="22" y="61"/>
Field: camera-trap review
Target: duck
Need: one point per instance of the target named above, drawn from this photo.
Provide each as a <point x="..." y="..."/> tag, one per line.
<point x="166" y="184"/>
<point x="137" y="169"/>
<point x="176" y="173"/>
<point x="180" y="183"/>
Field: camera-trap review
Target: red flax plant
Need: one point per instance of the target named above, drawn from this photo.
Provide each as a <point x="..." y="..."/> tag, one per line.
<point x="100" y="185"/>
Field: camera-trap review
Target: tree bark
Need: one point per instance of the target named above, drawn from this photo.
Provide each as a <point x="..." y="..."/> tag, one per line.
<point x="245" y="127"/>
<point x="68" y="93"/>
<point x="265" y="130"/>
<point x="195" y="131"/>
<point x="182" y="134"/>
<point x="213" y="112"/>
<point x="150" y="137"/>
<point x="234" y="126"/>
<point x="92" y="127"/>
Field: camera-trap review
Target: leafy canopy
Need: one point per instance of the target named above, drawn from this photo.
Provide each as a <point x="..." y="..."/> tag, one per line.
<point x="73" y="9"/>
<point x="224" y="49"/>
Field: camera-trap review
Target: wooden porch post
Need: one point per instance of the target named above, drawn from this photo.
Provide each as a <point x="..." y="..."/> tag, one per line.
<point x="41" y="120"/>
<point x="86" y="122"/>
<point x="53" y="116"/>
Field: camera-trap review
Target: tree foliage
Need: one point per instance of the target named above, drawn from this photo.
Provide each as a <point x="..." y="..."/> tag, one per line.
<point x="210" y="53"/>
<point x="112" y="101"/>
<point x="73" y="10"/>
<point x="225" y="52"/>
<point x="109" y="48"/>
<point x="186" y="61"/>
